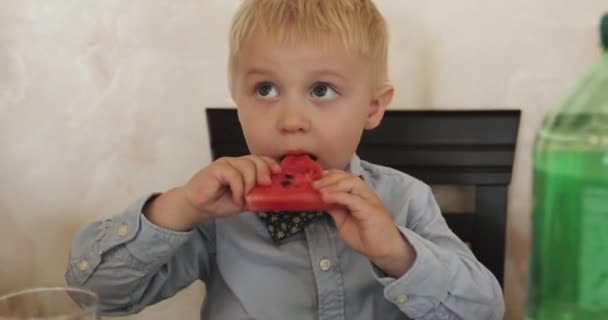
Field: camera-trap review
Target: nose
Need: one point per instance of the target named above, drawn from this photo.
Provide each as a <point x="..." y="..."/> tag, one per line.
<point x="293" y="118"/>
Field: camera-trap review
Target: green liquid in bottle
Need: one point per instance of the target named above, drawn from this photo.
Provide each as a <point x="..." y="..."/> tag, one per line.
<point x="569" y="269"/>
<point x="569" y="262"/>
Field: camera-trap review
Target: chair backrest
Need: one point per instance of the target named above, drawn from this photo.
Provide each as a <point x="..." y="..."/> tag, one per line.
<point x="468" y="148"/>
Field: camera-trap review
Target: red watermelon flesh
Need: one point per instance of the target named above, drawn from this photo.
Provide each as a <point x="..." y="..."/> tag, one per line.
<point x="290" y="190"/>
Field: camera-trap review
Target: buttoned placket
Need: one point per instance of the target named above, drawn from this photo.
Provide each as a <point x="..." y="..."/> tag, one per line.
<point x="321" y="238"/>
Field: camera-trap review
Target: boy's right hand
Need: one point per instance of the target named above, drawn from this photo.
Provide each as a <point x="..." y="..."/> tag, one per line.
<point x="217" y="190"/>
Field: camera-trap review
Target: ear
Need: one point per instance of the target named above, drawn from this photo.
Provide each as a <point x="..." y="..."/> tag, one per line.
<point x="381" y="99"/>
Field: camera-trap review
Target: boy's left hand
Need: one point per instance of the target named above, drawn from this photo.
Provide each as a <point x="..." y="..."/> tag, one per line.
<point x="364" y="224"/>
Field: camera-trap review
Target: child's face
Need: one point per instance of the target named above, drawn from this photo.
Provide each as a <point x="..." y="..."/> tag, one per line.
<point x="305" y="97"/>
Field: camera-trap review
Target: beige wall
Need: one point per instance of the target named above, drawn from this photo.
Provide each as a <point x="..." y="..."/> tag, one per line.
<point x="102" y="101"/>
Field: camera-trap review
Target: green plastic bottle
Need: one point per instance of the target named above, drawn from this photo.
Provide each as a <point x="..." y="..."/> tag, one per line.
<point x="569" y="262"/>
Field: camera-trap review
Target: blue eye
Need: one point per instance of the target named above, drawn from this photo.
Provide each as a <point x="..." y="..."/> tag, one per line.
<point x="266" y="90"/>
<point x="323" y="91"/>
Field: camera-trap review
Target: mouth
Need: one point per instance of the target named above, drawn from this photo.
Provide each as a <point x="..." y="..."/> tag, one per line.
<point x="298" y="153"/>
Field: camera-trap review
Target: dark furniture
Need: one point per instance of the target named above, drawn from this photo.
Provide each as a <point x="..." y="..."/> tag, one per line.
<point x="470" y="148"/>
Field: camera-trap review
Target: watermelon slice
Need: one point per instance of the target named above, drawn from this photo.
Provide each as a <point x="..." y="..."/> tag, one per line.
<point x="290" y="190"/>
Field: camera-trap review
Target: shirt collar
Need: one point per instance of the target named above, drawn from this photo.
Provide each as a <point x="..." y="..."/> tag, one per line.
<point x="354" y="166"/>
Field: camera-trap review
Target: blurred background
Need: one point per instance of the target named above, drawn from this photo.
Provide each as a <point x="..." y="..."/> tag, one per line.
<point x="103" y="101"/>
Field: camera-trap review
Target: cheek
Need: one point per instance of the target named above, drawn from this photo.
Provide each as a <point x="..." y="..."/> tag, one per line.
<point x="342" y="131"/>
<point x="341" y="139"/>
<point x="257" y="136"/>
<point x="343" y="121"/>
<point x="255" y="130"/>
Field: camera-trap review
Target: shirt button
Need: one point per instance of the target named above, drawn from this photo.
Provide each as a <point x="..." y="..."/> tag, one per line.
<point x="123" y="230"/>
<point x="84" y="265"/>
<point x="325" y="264"/>
<point x="402" y="298"/>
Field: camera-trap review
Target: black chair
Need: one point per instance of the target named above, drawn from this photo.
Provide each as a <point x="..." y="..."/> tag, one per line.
<point x="469" y="148"/>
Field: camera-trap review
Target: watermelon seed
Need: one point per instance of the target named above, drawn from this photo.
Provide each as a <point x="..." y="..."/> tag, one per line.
<point x="285" y="183"/>
<point x="288" y="176"/>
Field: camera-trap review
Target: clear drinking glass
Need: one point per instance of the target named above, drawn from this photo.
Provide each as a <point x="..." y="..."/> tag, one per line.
<point x="50" y="304"/>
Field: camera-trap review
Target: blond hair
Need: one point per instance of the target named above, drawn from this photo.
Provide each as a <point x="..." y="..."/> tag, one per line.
<point x="357" y="23"/>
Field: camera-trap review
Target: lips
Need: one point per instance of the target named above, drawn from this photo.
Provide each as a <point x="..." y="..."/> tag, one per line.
<point x="298" y="152"/>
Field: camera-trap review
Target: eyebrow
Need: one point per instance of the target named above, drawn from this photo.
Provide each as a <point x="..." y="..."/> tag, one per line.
<point x="266" y="72"/>
<point x="258" y="71"/>
<point x="330" y="73"/>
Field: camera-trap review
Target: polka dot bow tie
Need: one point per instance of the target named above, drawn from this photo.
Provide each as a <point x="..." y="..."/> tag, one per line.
<point x="283" y="224"/>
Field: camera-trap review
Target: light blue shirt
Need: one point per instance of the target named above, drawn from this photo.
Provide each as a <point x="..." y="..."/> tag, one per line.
<point x="132" y="263"/>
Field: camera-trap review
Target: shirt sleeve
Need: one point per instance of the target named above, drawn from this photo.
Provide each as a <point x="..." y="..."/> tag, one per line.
<point x="132" y="263"/>
<point x="446" y="281"/>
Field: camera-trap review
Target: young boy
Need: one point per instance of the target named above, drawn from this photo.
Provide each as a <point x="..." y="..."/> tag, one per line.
<point x="307" y="76"/>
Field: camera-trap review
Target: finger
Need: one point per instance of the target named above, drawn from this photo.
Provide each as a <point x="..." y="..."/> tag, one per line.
<point x="227" y="175"/>
<point x="262" y="170"/>
<point x="338" y="215"/>
<point x="247" y="168"/>
<point x="350" y="184"/>
<point x="274" y="166"/>
<point x="356" y="205"/>
<point x="329" y="178"/>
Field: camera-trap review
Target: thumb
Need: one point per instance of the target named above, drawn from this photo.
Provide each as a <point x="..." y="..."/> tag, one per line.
<point x="339" y="215"/>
